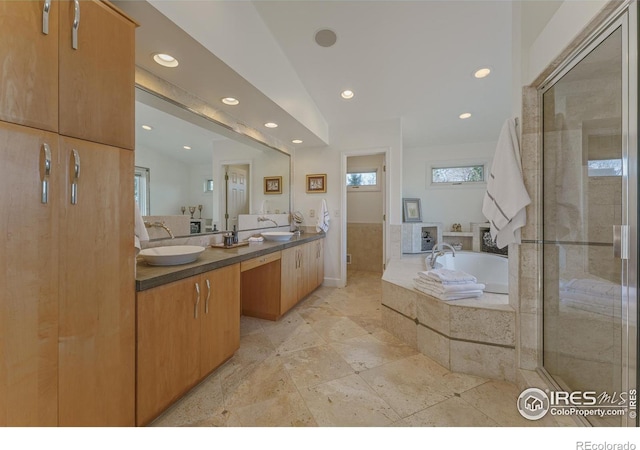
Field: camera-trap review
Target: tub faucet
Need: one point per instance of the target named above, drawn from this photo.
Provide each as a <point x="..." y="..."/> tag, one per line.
<point x="266" y="219"/>
<point x="159" y="225"/>
<point x="438" y="250"/>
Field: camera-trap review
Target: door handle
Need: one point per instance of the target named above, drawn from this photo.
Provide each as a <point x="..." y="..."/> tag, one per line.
<point x="206" y="303"/>
<point x="76" y="24"/>
<point x="75" y="170"/>
<point x="621" y="241"/>
<point x="45" y="16"/>
<point x="195" y="309"/>
<point x="46" y="171"/>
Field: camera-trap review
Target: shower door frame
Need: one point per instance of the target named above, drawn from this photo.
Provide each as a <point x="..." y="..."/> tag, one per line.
<point x="626" y="17"/>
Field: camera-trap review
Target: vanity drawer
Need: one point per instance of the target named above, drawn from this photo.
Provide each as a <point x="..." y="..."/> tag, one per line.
<point x="260" y="261"/>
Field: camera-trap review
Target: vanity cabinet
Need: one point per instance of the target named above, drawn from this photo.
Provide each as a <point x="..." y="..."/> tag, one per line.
<point x="85" y="92"/>
<point x="67" y="303"/>
<point x="302" y="272"/>
<point x="261" y="286"/>
<point x="185" y="330"/>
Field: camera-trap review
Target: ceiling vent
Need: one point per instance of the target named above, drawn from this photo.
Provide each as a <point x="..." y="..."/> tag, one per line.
<point x="326" y="38"/>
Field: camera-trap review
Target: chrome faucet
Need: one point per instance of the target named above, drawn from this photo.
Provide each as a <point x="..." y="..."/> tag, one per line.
<point x="266" y="219"/>
<point x="440" y="252"/>
<point x="159" y="225"/>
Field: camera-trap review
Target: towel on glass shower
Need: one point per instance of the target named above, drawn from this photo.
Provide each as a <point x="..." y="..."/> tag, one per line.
<point x="506" y="197"/>
<point x="323" y="218"/>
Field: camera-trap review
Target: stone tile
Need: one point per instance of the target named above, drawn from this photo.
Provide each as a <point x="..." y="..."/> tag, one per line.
<point x="400" y="299"/>
<point x="315" y="365"/>
<point x="367" y="351"/>
<point x="434" y="345"/>
<point x="337" y="329"/>
<point x="348" y="402"/>
<point x="288" y="410"/>
<point x="292" y="333"/>
<point x="483" y="325"/>
<point x="401" y="327"/>
<point x="434" y="313"/>
<point x="249" y="325"/>
<point x="428" y="385"/>
<point x="453" y="412"/>
<point x="483" y="360"/>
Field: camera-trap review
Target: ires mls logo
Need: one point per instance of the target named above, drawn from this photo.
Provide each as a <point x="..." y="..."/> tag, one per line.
<point x="534" y="403"/>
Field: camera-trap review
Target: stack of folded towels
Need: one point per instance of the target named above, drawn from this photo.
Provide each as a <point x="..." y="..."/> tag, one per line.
<point x="447" y="284"/>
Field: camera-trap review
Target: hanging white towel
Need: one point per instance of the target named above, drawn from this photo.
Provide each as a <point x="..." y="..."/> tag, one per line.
<point x="506" y="197"/>
<point x="140" y="231"/>
<point x="323" y="218"/>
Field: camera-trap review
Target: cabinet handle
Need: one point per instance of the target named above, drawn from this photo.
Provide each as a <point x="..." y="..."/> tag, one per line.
<point x="195" y="309"/>
<point x="46" y="171"/>
<point x="75" y="161"/>
<point x="76" y="24"/>
<point x="45" y="16"/>
<point x="206" y="303"/>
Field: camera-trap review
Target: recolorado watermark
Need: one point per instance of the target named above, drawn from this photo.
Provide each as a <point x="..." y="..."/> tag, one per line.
<point x="534" y="404"/>
<point x="588" y="445"/>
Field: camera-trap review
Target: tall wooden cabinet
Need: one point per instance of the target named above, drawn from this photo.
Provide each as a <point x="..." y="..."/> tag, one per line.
<point x="67" y="350"/>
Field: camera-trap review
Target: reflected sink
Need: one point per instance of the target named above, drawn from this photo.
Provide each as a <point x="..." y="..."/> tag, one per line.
<point x="171" y="255"/>
<point x="277" y="235"/>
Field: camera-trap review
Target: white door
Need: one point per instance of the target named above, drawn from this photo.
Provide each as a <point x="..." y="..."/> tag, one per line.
<point x="237" y="194"/>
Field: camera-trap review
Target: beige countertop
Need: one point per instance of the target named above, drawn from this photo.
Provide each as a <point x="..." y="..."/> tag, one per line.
<point x="148" y="276"/>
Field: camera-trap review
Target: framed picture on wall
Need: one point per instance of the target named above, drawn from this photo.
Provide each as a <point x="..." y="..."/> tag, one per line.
<point x="411" y="211"/>
<point x="317" y="183"/>
<point x="273" y="185"/>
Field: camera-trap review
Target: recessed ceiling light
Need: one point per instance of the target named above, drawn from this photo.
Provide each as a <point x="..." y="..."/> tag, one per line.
<point x="481" y="73"/>
<point x="297" y="141"/>
<point x="465" y="115"/>
<point x="230" y="101"/>
<point x="347" y="95"/>
<point x="165" y="60"/>
<point x="271" y="125"/>
<point x="186" y="147"/>
<point x="147" y="127"/>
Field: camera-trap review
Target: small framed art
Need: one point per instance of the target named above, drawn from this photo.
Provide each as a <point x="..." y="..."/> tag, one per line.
<point x="273" y="185"/>
<point x="317" y="183"/>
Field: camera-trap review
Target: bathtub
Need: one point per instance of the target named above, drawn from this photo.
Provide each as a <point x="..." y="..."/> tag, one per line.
<point x="490" y="270"/>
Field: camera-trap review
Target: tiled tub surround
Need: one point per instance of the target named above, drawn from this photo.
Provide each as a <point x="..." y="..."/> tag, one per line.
<point x="364" y="244"/>
<point x="473" y="336"/>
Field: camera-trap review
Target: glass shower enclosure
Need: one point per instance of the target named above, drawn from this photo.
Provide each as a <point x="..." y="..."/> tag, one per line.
<point x="589" y="222"/>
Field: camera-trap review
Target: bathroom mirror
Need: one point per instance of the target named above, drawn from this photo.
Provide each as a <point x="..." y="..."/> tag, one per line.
<point x="192" y="160"/>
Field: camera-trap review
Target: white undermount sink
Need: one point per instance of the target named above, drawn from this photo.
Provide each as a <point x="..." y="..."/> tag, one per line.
<point x="277" y="235"/>
<point x="171" y="255"/>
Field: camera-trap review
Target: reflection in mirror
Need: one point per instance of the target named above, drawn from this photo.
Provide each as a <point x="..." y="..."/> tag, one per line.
<point x="182" y="160"/>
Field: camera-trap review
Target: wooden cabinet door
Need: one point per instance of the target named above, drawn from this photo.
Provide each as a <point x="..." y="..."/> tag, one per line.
<point x="308" y="271"/>
<point x="28" y="278"/>
<point x="97" y="287"/>
<point x="29" y="64"/>
<point x="97" y="79"/>
<point x="219" y="317"/>
<point x="168" y="345"/>
<point x="289" y="279"/>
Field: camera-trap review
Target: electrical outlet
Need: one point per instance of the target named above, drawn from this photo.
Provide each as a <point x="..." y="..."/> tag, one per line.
<point x="312" y="213"/>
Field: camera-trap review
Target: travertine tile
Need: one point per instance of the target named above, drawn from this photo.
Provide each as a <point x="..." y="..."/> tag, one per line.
<point x="347" y="402"/>
<point x="483" y="325"/>
<point x="400" y="326"/>
<point x="434" y="313"/>
<point x="400" y="299"/>
<point x="434" y="345"/>
<point x="288" y="410"/>
<point x="367" y="351"/>
<point x="483" y="360"/>
<point x="337" y="329"/>
<point x="249" y="325"/>
<point x="453" y="412"/>
<point x="315" y="365"/>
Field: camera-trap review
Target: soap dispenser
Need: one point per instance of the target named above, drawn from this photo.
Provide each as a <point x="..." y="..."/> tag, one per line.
<point x="235" y="235"/>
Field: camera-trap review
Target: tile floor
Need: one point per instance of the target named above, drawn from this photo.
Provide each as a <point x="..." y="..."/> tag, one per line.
<point x="328" y="362"/>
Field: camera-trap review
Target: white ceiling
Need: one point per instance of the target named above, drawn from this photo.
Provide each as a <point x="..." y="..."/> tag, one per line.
<point x="412" y="60"/>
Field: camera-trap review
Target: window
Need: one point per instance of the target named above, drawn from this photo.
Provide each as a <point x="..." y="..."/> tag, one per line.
<point x="141" y="190"/>
<point x="363" y="180"/>
<point x="458" y="175"/>
<point x="604" y="168"/>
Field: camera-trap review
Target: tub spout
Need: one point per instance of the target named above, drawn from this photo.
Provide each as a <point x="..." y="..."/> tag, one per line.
<point x="439" y="250"/>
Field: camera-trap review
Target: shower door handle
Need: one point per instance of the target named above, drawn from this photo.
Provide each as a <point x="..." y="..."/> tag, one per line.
<point x="621" y="241"/>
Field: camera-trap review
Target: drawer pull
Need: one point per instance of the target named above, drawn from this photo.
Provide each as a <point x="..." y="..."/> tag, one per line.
<point x="75" y="161"/>
<point x="46" y="171"/>
<point x="76" y="24"/>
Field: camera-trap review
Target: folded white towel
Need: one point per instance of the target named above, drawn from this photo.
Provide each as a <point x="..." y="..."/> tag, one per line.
<point x="448" y="276"/>
<point x="323" y="218"/>
<point x="440" y="288"/>
<point x="255" y="239"/>
<point x="449" y="296"/>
